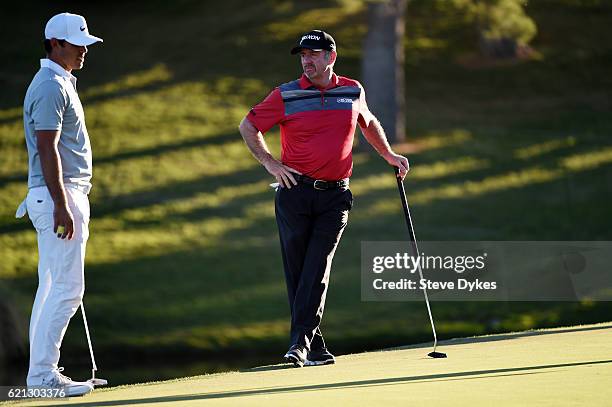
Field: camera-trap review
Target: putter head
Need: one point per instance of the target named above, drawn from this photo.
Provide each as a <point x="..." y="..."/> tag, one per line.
<point x="97" y="382"/>
<point x="436" y="355"/>
<point x="94" y="381"/>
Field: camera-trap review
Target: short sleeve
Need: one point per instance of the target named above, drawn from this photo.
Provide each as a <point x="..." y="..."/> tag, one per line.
<point x="268" y="113"/>
<point x="48" y="106"/>
<point x="365" y="116"/>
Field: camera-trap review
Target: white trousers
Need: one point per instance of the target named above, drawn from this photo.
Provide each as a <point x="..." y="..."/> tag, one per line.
<point x="61" y="281"/>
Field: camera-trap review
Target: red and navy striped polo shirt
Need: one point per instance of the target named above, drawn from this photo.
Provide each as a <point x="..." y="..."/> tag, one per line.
<point x="317" y="125"/>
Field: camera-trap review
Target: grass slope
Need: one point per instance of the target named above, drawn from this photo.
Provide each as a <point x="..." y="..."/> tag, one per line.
<point x="566" y="366"/>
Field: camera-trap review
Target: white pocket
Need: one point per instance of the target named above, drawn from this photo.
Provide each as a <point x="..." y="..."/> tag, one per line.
<point x="40" y="208"/>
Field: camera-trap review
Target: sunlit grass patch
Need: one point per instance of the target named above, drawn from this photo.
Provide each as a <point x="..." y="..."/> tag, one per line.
<point x="146" y="172"/>
<point x="538" y="149"/>
<point x="468" y="189"/>
<point x="451" y="167"/>
<point x="170" y="114"/>
<point x="514" y="179"/>
<point x="315" y="18"/>
<point x="11" y="113"/>
<point x="156" y="74"/>
<point x="435" y="170"/>
<point x="588" y="160"/>
<point x="16" y="257"/>
<point x="435" y="140"/>
<point x="218" y="198"/>
<point x="13" y="147"/>
<point x="161" y="237"/>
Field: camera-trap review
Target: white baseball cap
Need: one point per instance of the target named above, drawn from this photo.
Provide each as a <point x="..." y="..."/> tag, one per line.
<point x="70" y="27"/>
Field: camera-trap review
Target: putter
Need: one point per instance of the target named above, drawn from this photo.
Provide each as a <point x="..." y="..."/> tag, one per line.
<point x="413" y="244"/>
<point x="94" y="380"/>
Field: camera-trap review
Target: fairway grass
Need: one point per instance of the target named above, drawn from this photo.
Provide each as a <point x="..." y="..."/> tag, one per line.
<point x="563" y="366"/>
<point x="183" y="262"/>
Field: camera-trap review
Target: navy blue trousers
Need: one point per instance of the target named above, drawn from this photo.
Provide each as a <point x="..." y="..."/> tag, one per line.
<point x="310" y="224"/>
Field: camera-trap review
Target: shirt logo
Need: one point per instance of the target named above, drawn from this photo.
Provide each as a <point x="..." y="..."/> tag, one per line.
<point x="311" y="37"/>
<point x="82" y="28"/>
<point x="345" y="100"/>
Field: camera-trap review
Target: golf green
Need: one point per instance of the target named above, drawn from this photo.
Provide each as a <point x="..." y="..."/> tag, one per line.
<point x="563" y="366"/>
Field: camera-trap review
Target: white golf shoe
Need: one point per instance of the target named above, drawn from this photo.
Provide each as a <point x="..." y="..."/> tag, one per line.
<point x="56" y="379"/>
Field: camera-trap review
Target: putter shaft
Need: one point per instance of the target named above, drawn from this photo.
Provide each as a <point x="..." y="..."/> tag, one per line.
<point x="415" y="249"/>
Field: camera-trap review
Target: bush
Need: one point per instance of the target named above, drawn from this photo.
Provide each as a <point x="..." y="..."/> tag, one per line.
<point x="503" y="26"/>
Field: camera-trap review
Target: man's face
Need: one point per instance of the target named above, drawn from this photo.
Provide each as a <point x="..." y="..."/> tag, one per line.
<point x="69" y="56"/>
<point x="316" y="63"/>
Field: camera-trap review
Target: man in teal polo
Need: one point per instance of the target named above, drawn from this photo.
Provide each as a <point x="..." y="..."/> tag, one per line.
<point x="59" y="180"/>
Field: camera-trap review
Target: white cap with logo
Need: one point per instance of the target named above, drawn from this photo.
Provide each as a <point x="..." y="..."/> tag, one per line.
<point x="70" y="27"/>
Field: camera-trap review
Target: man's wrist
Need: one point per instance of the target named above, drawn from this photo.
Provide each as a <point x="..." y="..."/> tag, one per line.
<point x="267" y="159"/>
<point x="58" y="196"/>
<point x="388" y="154"/>
<point x="60" y="203"/>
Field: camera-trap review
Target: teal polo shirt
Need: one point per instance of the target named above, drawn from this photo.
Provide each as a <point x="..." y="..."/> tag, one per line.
<point x="52" y="103"/>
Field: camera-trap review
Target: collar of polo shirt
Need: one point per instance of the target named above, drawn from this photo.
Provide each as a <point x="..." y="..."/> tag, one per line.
<point x="305" y="82"/>
<point x="57" y="68"/>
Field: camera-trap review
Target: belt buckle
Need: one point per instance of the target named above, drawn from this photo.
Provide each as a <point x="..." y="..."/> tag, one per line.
<point x="315" y="186"/>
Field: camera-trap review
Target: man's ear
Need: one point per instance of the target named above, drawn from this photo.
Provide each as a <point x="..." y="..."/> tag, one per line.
<point x="56" y="43"/>
<point x="332" y="57"/>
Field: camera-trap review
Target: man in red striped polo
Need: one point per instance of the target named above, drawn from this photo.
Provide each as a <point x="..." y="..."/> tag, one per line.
<point x="317" y="115"/>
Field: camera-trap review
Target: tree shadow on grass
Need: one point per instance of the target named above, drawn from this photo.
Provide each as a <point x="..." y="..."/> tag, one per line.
<point x="268" y="368"/>
<point x="158" y="150"/>
<point x="157" y="195"/>
<point x="503" y="337"/>
<point x="345" y="385"/>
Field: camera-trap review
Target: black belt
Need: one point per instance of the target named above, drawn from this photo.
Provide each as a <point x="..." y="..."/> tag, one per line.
<point x="321" y="184"/>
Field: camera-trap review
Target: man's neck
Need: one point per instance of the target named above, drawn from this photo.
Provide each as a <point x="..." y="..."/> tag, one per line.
<point x="60" y="63"/>
<point x="324" y="80"/>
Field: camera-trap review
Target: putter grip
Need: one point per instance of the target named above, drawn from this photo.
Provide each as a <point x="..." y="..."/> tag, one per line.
<point x="402" y="193"/>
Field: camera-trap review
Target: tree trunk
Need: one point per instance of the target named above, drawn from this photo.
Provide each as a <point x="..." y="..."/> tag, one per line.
<point x="383" y="66"/>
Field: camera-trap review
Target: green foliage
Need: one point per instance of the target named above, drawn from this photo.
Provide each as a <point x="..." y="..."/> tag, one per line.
<point x="499" y="19"/>
<point x="505" y="19"/>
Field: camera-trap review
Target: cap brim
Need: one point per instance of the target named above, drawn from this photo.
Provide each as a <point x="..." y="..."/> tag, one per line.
<point x="297" y="49"/>
<point x="84" y="40"/>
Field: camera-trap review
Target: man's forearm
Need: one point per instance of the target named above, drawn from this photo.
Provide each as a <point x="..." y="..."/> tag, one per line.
<point x="375" y="134"/>
<point x="255" y="142"/>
